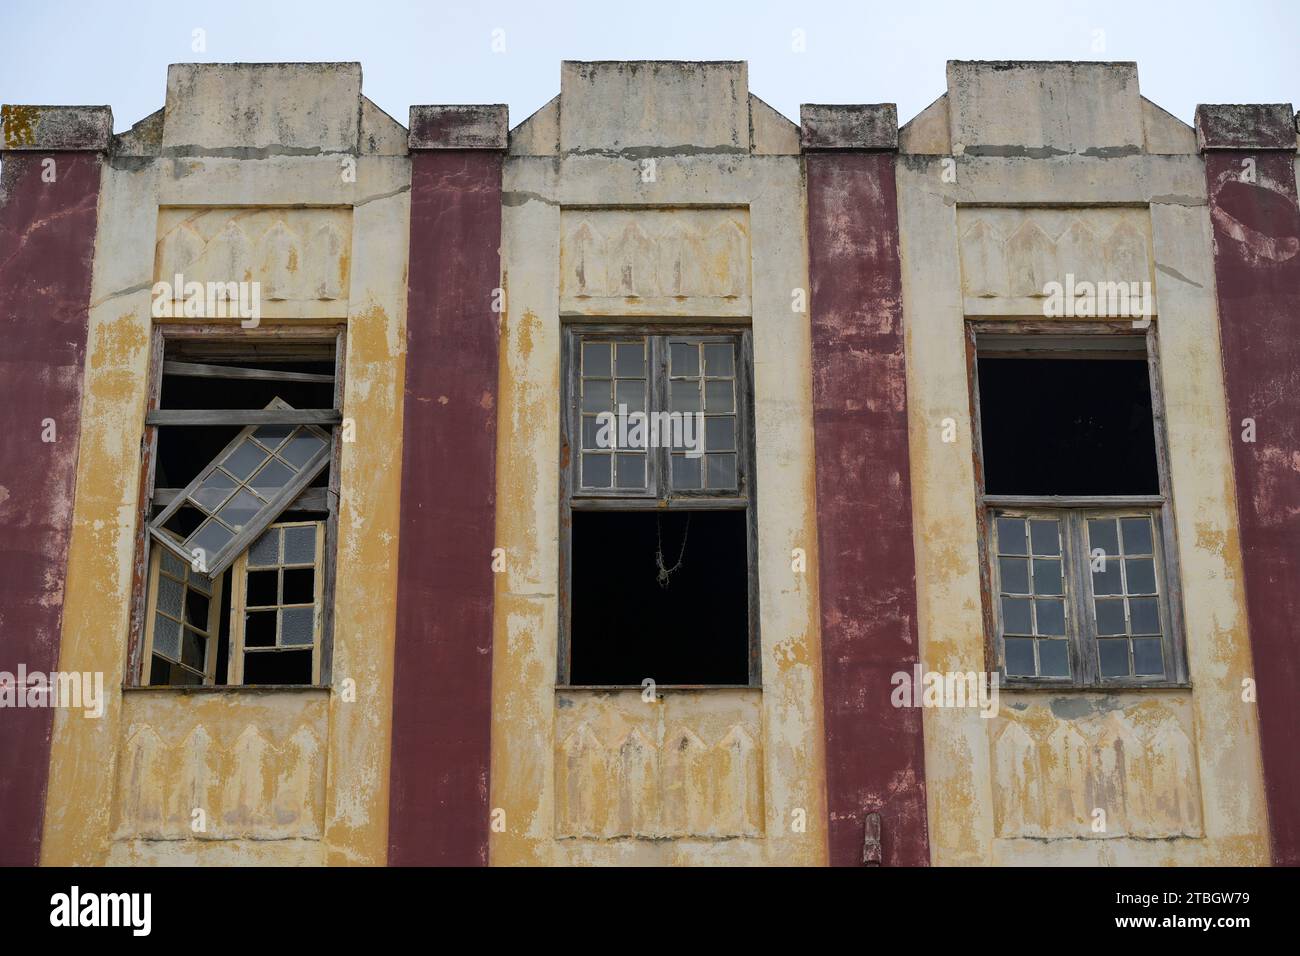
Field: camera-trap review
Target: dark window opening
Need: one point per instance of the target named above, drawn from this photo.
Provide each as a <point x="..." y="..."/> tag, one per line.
<point x="258" y="493"/>
<point x="1061" y="426"/>
<point x="628" y="626"/>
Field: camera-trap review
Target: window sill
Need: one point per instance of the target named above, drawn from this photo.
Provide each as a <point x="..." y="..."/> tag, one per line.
<point x="225" y="688"/>
<point x="1112" y="688"/>
<point x="571" y="688"/>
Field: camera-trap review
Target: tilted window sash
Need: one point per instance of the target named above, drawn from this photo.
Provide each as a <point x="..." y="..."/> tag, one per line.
<point x="241" y="491"/>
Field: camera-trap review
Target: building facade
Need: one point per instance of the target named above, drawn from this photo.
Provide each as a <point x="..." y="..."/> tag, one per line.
<point x="657" y="482"/>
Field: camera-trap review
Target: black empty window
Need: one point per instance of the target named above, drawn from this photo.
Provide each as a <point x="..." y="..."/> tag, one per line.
<point x="660" y="595"/>
<point x="1061" y="426"/>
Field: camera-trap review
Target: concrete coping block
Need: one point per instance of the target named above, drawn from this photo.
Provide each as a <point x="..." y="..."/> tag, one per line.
<point x="459" y="127"/>
<point x="1245" y="126"/>
<point x="869" y="126"/>
<point x="54" y="128"/>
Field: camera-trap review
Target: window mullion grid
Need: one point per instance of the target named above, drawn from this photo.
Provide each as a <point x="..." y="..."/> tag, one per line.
<point x="657" y="400"/>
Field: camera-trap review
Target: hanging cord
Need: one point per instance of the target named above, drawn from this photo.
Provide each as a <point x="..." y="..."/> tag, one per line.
<point x="666" y="573"/>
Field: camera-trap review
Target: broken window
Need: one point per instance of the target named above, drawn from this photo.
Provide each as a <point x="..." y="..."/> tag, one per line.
<point x="241" y="512"/>
<point x="658" y="511"/>
<point x="1076" y="513"/>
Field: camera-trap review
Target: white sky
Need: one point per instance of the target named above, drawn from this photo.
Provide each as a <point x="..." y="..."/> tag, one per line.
<point x="1228" y="51"/>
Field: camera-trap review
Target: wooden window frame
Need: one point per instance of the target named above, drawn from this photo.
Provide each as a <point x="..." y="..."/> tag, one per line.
<point x="212" y="628"/>
<point x="239" y="605"/>
<point x="265" y="343"/>
<point x="658" y="495"/>
<point x="1002" y="338"/>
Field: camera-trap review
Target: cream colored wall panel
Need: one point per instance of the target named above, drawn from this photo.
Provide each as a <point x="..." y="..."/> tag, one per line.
<point x="655" y="262"/>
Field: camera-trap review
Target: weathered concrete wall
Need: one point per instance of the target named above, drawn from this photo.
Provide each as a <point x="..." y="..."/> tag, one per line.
<point x="1250" y="155"/>
<point x="48" y="211"/>
<point x="1053" y="145"/>
<point x="443" y="683"/>
<point x="253" y="148"/>
<point x="874" y="751"/>
<point x="591" y="149"/>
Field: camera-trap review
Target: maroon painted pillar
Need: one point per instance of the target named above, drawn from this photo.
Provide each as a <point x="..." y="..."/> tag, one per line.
<point x="1250" y="154"/>
<point x="875" y="759"/>
<point x="442" y="693"/>
<point x="48" y="212"/>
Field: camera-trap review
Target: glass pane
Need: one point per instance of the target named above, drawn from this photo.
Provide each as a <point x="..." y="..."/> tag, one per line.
<point x="1110" y="616"/>
<point x="1106" y="581"/>
<point x="300" y="545"/>
<point x="1145" y="615"/>
<point x="684" y="396"/>
<point x="1046" y="537"/>
<point x="1137" y="535"/>
<point x="591" y="431"/>
<point x="193" y="648"/>
<point x="240" y="509"/>
<point x="1020" y="657"/>
<point x="1015" y="616"/>
<point x="172" y="564"/>
<point x="597" y="396"/>
<point x="719" y="396"/>
<point x="196" y="609"/>
<point x="1148" y="657"/>
<point x="595" y="360"/>
<point x="300" y="449"/>
<point x="1051" y="617"/>
<point x="243" y="461"/>
<point x="721" y="471"/>
<point x="1047" y="577"/>
<point x="211" y="538"/>
<point x="1101" y="534"/>
<point x="631" y="360"/>
<point x="214" y="490"/>
<point x="720" y="434"/>
<point x="1053" y="659"/>
<point x="166" y="637"/>
<point x="597" y="470"/>
<point x="266" y="549"/>
<point x="170" y="595"/>
<point x="1011" y="536"/>
<point x="631" y="394"/>
<point x="1114" y="658"/>
<point x="1014" y="574"/>
<point x="685" y="359"/>
<point x="719" y="360"/>
<point x="296" y="626"/>
<point x="1141" y="575"/>
<point x="630" y="470"/>
<point x="273" y="435"/>
<point x="273" y="477"/>
<point x="686" y="472"/>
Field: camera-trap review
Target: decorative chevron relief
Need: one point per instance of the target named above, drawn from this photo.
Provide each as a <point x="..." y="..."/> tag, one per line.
<point x="660" y="261"/>
<point x="1009" y="256"/>
<point x="301" y="257"/>
<point x="254" y="768"/>
<point x="1131" y="759"/>
<point x="686" y="765"/>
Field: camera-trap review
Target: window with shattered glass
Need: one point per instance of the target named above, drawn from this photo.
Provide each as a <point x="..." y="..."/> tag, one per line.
<point x="241" y="513"/>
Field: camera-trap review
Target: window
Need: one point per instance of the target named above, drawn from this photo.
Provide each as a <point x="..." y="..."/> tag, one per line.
<point x="1077" y="522"/>
<point x="240" y="505"/>
<point x="657" y="519"/>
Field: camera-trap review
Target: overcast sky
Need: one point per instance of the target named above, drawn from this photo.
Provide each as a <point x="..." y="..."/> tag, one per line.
<point x="1189" y="52"/>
